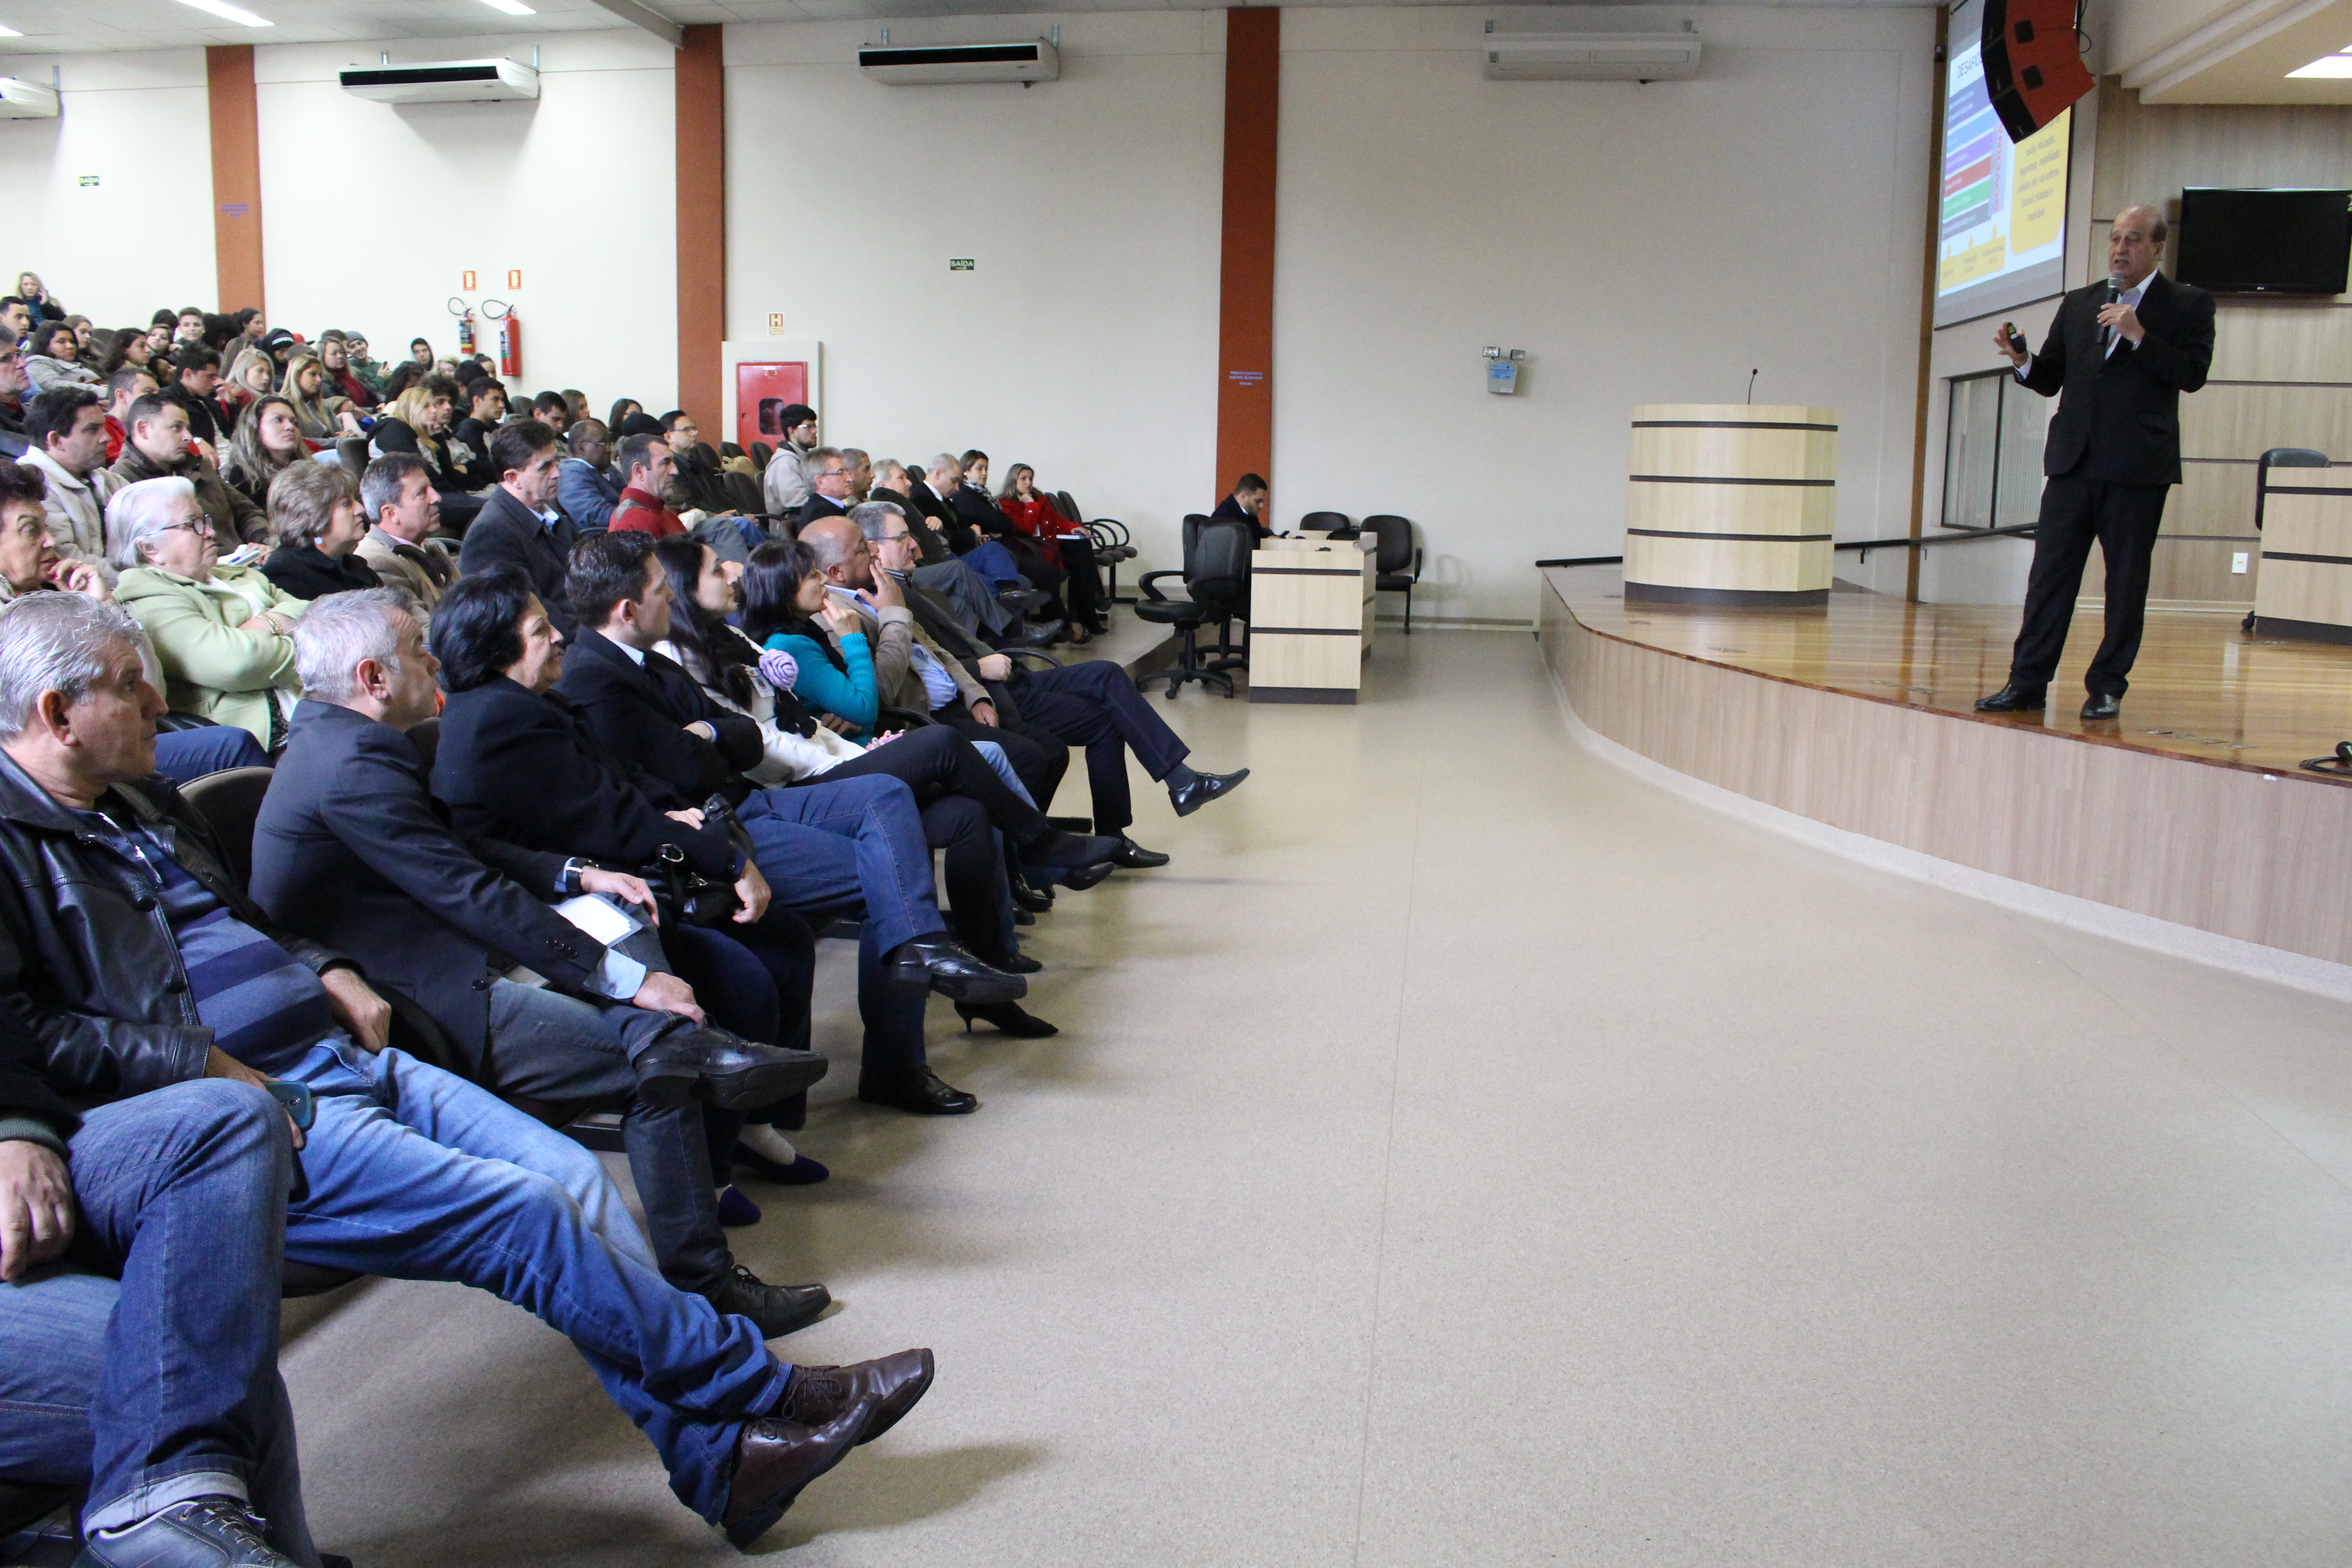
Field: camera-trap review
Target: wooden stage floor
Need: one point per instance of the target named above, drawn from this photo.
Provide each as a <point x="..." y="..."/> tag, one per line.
<point x="2202" y="688"/>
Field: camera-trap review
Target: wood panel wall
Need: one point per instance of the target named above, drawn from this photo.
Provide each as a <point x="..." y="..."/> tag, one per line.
<point x="236" y="176"/>
<point x="702" y="226"/>
<point x="2282" y="368"/>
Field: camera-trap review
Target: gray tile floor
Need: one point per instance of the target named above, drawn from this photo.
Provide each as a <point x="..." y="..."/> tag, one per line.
<point x="1467" y="1155"/>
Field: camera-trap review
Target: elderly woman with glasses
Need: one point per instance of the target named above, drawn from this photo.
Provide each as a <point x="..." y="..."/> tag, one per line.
<point x="219" y="631"/>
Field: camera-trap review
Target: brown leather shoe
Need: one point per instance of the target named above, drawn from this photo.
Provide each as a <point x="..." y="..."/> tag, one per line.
<point x="818" y="1394"/>
<point x="774" y="1459"/>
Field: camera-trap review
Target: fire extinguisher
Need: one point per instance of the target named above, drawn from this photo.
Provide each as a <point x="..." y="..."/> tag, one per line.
<point x="464" y="326"/>
<point x="510" y="337"/>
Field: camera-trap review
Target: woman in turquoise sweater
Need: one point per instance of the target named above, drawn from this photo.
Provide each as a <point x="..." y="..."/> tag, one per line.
<point x="787" y="607"/>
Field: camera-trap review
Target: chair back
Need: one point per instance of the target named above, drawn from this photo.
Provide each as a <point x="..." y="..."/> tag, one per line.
<point x="1194" y="523"/>
<point x="1325" y="521"/>
<point x="1069" y="506"/>
<point x="427" y="738"/>
<point x="229" y="802"/>
<point x="1219" y="577"/>
<point x="24" y="1504"/>
<point x="745" y="492"/>
<point x="1395" y="534"/>
<point x="762" y="454"/>
<point x="353" y="451"/>
<point x="2280" y="458"/>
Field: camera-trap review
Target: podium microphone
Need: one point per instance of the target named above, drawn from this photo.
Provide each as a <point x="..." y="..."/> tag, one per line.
<point x="2115" y="292"/>
<point x="1751" y="386"/>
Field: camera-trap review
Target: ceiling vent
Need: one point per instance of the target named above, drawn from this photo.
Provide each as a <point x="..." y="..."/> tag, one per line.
<point x="927" y="65"/>
<point x="1591" y="57"/>
<point x="444" y="81"/>
<point x="27" y="99"/>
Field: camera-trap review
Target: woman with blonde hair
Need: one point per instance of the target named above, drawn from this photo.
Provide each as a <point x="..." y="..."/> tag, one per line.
<point x="416" y="422"/>
<point x="306" y="389"/>
<point x="250" y="375"/>
<point x="268" y="442"/>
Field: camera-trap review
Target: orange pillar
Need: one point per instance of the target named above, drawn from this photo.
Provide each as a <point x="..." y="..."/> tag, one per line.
<point x="1246" y="293"/>
<point x="236" y="175"/>
<point x="702" y="225"/>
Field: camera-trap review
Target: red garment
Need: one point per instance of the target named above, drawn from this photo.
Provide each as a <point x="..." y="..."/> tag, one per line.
<point x="115" y="436"/>
<point x="641" y="512"/>
<point x="1038" y="518"/>
<point x="353" y="388"/>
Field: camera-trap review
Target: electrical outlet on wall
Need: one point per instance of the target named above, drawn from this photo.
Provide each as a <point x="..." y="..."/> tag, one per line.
<point x="2238" y="560"/>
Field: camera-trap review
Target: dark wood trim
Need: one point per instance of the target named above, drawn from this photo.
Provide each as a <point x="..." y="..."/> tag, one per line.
<point x="1316" y="570"/>
<point x="1339" y="696"/>
<point x="1726" y="425"/>
<point x="2304" y="631"/>
<point x="2312" y="560"/>
<point x="1727" y="479"/>
<point x="1741" y="538"/>
<point x="1246" y="262"/>
<point x="1747" y="598"/>
<point x="237" y="177"/>
<point x="1306" y="631"/>
<point x="701" y="130"/>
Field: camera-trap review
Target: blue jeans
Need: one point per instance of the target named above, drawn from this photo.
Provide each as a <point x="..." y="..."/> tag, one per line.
<point x="416" y="1174"/>
<point x="145" y="1364"/>
<point x="185" y="754"/>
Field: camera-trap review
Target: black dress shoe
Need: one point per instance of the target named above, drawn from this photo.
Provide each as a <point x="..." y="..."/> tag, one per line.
<point x="1024" y="918"/>
<point x="947" y="966"/>
<point x="2103" y="705"/>
<point x="1134" y="856"/>
<point x="2012" y="698"/>
<point x="714" y="1067"/>
<point x="1054" y="852"/>
<point x="1030" y="900"/>
<point x="778" y="1309"/>
<point x="819" y="1395"/>
<point x="1019" y="964"/>
<point x="925" y="1094"/>
<point x="1204" y="788"/>
<point x="775" y="1458"/>
<point x="1086" y="877"/>
<point x="1009" y="1019"/>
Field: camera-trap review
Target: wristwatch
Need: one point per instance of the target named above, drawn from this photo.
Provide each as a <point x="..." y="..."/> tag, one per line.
<point x="574" y="868"/>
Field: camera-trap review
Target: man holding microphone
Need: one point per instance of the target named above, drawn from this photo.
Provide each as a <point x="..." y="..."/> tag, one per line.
<point x="2118" y="357"/>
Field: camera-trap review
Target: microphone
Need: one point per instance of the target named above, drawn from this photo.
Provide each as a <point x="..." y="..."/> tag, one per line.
<point x="1751" y="386"/>
<point x="2115" y="292"/>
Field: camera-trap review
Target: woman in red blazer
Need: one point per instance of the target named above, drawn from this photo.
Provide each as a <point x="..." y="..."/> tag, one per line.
<point x="1034" y="515"/>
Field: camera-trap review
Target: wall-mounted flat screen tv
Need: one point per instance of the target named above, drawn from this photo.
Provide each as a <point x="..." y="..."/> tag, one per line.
<point x="2264" y="242"/>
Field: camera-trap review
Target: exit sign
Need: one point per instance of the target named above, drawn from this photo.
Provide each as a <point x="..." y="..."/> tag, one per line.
<point x="960" y="263"/>
<point x="89" y="179"/>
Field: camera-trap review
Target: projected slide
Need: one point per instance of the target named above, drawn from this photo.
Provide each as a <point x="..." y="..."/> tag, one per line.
<point x="2002" y="227"/>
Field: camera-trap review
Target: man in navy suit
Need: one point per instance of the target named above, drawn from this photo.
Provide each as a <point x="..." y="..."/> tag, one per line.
<point x="2118" y="357"/>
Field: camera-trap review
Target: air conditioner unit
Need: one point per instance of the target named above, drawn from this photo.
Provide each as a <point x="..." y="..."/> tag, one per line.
<point x="444" y="81"/>
<point x="27" y="99"/>
<point x="924" y="65"/>
<point x="1592" y="56"/>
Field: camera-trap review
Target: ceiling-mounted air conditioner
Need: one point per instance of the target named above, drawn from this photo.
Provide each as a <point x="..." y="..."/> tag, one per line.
<point x="1591" y="57"/>
<point x="21" y="100"/>
<point x="927" y="65"/>
<point x="443" y="81"/>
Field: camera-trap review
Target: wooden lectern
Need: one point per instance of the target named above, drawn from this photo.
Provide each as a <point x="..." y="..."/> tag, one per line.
<point x="2305" y="587"/>
<point x="1730" y="504"/>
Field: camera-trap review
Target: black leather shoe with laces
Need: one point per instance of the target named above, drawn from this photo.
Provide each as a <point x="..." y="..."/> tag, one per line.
<point x="925" y="1094"/>
<point x="945" y="965"/>
<point x="778" y="1309"/>
<point x="714" y="1067"/>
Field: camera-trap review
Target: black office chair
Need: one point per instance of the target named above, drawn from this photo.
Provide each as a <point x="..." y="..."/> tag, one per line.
<point x="1336" y="522"/>
<point x="229" y="800"/>
<point x="351" y="451"/>
<point x="762" y="454"/>
<point x="2280" y="458"/>
<point x="1389" y="561"/>
<point x="1111" y="544"/>
<point x="1217" y="582"/>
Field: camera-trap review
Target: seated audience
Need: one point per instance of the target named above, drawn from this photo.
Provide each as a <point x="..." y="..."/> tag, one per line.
<point x="1247" y="503"/>
<point x="140" y="1226"/>
<point x="314" y="512"/>
<point x="519" y="526"/>
<point x="506" y="1205"/>
<point x="15" y="390"/>
<point x="934" y="498"/>
<point x="123" y="389"/>
<point x="344" y="377"/>
<point x="784" y="485"/>
<point x="623" y="407"/>
<point x="470" y="447"/>
<point x="306" y="390"/>
<point x="251" y="374"/>
<point x="67" y="429"/>
<point x="696" y="483"/>
<point x="827" y="473"/>
<point x="402" y="509"/>
<point x="420" y="353"/>
<point x="576" y="403"/>
<point x="268" y="441"/>
<point x="416" y="421"/>
<point x="1044" y="531"/>
<point x="352" y="847"/>
<point x="158" y="448"/>
<point x="195" y="378"/>
<point x="550" y="409"/>
<point x="646" y="464"/>
<point x="584" y="491"/>
<point x="218" y="631"/>
<point x="53" y="358"/>
<point x="132" y="350"/>
<point x="35" y="296"/>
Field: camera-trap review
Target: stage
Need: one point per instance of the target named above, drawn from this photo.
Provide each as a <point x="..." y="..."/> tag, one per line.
<point x="2190" y="809"/>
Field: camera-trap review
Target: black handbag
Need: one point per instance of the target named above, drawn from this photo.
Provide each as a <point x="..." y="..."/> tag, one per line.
<point x="684" y="895"/>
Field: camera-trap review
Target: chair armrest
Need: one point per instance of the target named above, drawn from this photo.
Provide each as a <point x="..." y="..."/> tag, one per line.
<point x="901" y="719"/>
<point x="1039" y="654"/>
<point x="1150" y="577"/>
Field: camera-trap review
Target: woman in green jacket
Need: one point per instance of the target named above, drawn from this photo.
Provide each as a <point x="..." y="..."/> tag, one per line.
<point x="220" y="632"/>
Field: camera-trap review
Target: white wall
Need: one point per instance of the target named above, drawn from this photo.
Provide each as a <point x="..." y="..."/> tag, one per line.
<point x="141" y="239"/>
<point x="371" y="213"/>
<point x="1085" y="341"/>
<point x="1643" y="243"/>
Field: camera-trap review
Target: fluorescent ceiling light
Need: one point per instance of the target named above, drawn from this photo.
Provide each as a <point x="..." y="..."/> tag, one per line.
<point x="228" y="13"/>
<point x="2325" y="66"/>
<point x="512" y="8"/>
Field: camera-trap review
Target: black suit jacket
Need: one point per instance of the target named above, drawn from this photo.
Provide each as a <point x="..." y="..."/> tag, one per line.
<point x="1230" y="509"/>
<point x="931" y="535"/>
<point x="816" y="507"/>
<point x="352" y="847"/>
<point x="520" y="767"/>
<point x="2118" y="417"/>
<point x="509" y="533"/>
<point x="308" y="572"/>
<point x="638" y="714"/>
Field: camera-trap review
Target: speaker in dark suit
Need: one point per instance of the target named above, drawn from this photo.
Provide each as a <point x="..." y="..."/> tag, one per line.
<point x="2117" y="358"/>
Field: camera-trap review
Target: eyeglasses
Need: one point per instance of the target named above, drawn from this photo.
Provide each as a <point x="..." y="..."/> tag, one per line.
<point x="194" y="525"/>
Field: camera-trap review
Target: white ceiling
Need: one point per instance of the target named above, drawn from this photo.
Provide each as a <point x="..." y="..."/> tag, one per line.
<point x="77" y="26"/>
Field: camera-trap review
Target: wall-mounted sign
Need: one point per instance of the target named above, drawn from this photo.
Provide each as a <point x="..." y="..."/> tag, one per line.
<point x="775" y="323"/>
<point x="514" y="277"/>
<point x="960" y="263"/>
<point x="89" y="179"/>
<point x="466" y="282"/>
